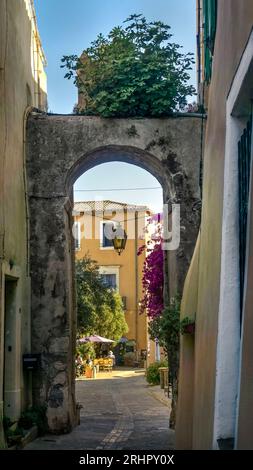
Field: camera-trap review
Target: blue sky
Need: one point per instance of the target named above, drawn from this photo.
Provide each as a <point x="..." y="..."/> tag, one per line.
<point x="120" y="175"/>
<point x="68" y="26"/>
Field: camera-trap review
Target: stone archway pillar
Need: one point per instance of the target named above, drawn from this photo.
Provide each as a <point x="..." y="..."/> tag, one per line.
<point x="53" y="300"/>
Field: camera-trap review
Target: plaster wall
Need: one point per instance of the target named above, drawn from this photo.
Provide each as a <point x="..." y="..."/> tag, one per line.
<point x="234" y="25"/>
<point x="19" y="89"/>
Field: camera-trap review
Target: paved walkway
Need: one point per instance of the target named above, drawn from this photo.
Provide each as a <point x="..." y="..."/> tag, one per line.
<point x="120" y="411"/>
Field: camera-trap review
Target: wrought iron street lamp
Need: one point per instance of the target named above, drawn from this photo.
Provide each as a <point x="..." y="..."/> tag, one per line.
<point x="119" y="240"/>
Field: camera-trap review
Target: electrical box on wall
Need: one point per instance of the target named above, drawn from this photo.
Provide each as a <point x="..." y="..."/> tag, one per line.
<point x="31" y="361"/>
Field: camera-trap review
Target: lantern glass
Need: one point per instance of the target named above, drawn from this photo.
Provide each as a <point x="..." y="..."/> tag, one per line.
<point x="119" y="241"/>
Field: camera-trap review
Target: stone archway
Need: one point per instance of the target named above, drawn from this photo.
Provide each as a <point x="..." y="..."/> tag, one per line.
<point x="59" y="150"/>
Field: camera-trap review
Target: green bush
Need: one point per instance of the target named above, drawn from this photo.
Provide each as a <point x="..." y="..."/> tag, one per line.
<point x="135" y="71"/>
<point x="36" y="415"/>
<point x="85" y="350"/>
<point x="13" y="433"/>
<point x="153" y="374"/>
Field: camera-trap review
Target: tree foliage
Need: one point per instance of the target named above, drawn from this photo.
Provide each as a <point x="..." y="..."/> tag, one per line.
<point x="135" y="71"/>
<point x="153" y="372"/>
<point x="99" y="309"/>
<point x="166" y="327"/>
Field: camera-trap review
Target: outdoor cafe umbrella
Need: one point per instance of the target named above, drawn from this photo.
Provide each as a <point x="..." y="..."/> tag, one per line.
<point x="95" y="339"/>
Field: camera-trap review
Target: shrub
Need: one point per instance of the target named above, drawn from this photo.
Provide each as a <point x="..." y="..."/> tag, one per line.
<point x="153" y="374"/>
<point x="13" y="433"/>
<point x="36" y="415"/>
<point x="85" y="350"/>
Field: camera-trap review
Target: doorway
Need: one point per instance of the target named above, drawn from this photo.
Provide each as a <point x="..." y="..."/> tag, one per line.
<point x="11" y="370"/>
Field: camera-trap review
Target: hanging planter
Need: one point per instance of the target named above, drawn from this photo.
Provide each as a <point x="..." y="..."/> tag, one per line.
<point x="187" y="326"/>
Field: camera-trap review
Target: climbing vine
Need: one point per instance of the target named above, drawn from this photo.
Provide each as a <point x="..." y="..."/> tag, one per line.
<point x="152" y="280"/>
<point x="164" y="321"/>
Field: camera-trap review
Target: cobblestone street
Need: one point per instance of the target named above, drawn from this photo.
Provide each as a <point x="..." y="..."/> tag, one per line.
<point x="120" y="411"/>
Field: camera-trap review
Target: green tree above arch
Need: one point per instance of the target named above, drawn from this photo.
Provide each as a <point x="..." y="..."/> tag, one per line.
<point x="136" y="71"/>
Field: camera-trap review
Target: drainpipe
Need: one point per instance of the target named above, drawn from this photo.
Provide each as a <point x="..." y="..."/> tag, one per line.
<point x="136" y="279"/>
<point x="3" y="63"/>
<point x="27" y="112"/>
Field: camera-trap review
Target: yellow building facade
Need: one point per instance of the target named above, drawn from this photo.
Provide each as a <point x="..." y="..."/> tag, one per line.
<point x="93" y="220"/>
<point x="22" y="86"/>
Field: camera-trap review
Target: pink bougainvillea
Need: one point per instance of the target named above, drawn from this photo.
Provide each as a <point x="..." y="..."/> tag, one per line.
<point x="152" y="280"/>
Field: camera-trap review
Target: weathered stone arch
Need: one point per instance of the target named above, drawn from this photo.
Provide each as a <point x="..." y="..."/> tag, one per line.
<point x="120" y="153"/>
<point x="59" y="150"/>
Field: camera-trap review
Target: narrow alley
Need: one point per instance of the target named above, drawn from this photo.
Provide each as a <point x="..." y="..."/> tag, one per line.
<point x="119" y="411"/>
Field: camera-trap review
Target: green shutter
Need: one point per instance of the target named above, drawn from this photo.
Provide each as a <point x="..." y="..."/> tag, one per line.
<point x="210" y="20"/>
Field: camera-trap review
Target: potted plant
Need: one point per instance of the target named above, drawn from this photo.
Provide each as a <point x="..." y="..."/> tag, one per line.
<point x="187" y="326"/>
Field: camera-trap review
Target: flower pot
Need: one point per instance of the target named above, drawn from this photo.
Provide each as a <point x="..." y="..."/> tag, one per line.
<point x="189" y="329"/>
